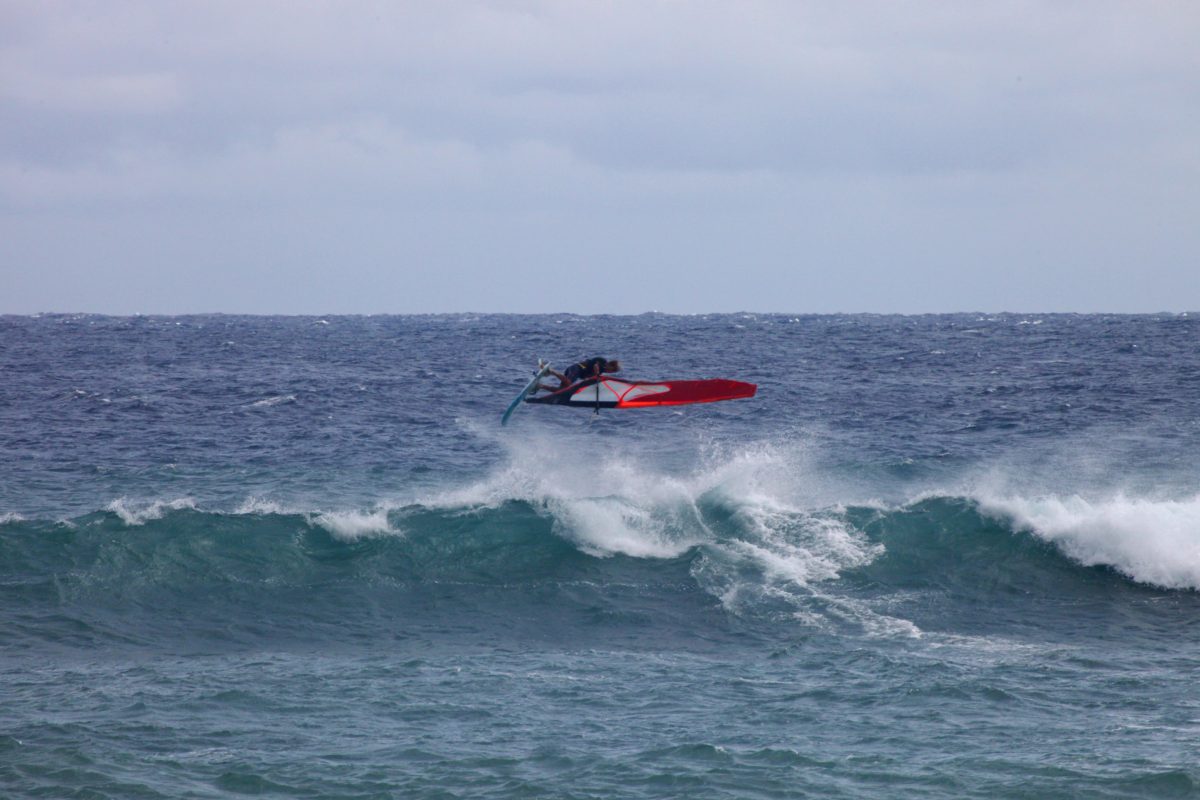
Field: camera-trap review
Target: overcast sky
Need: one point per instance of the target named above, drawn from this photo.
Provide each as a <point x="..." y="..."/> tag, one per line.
<point x="286" y="157"/>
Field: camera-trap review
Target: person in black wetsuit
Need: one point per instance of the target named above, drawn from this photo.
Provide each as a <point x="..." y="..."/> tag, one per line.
<point x="581" y="371"/>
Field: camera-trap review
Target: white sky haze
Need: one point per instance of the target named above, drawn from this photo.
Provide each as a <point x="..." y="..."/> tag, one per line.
<point x="354" y="157"/>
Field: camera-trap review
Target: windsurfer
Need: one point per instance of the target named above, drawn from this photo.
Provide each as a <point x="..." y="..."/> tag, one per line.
<point x="579" y="371"/>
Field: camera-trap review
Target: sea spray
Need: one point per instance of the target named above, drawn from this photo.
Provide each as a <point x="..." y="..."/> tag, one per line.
<point x="1151" y="540"/>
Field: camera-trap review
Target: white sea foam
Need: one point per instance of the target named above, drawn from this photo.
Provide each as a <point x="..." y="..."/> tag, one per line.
<point x="1153" y="541"/>
<point x="609" y="501"/>
<point x="134" y="512"/>
<point x="260" y="505"/>
<point x="275" y="400"/>
<point x="346" y="524"/>
<point x="791" y="555"/>
<point x="351" y="525"/>
<point x="601" y="502"/>
<point x="9" y="517"/>
<point x="800" y="547"/>
<point x="762" y="515"/>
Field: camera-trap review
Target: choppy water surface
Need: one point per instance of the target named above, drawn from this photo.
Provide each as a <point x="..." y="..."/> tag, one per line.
<point x="944" y="556"/>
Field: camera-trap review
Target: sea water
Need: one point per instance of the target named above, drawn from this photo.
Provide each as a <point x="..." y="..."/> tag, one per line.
<point x="939" y="556"/>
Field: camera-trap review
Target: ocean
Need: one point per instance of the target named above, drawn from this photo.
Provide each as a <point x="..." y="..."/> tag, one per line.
<point x="944" y="556"/>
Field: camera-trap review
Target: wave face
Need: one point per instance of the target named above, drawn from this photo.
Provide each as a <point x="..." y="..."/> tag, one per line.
<point x="945" y="556"/>
<point x="210" y="579"/>
<point x="686" y="558"/>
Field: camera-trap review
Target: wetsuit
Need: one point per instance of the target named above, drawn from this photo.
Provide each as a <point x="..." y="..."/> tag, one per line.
<point x="584" y="369"/>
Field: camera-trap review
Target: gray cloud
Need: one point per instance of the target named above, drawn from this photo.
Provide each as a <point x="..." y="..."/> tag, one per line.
<point x="429" y="156"/>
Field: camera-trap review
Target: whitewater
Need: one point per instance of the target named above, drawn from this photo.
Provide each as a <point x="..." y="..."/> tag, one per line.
<point x="937" y="556"/>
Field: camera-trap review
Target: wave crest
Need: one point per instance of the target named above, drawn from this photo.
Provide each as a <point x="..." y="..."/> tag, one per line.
<point x="351" y="525"/>
<point x="133" y="512"/>
<point x="1152" y="541"/>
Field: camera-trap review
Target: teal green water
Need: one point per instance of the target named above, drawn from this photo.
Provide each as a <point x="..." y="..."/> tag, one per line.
<point x="947" y="556"/>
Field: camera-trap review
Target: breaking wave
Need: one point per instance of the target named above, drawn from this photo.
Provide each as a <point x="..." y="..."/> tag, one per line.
<point x="599" y="537"/>
<point x="753" y="540"/>
<point x="1151" y="541"/>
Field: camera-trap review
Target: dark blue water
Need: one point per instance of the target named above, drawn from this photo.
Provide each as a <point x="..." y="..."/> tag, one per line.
<point x="943" y="556"/>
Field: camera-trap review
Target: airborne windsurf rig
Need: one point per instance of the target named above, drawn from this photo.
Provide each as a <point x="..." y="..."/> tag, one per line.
<point x="605" y="392"/>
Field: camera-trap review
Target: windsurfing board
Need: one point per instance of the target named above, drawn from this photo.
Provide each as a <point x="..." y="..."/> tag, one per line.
<point x="530" y="387"/>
